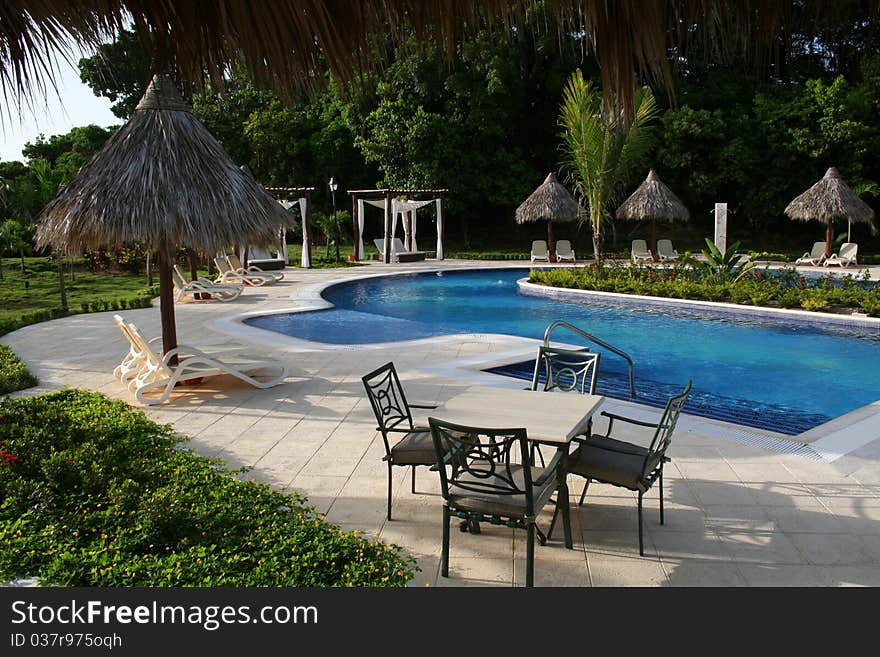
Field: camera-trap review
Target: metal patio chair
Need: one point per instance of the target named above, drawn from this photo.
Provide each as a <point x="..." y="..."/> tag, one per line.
<point x="486" y="476"/>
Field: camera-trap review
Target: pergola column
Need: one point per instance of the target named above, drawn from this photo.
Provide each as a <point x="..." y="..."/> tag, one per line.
<point x="388" y="218"/>
<point x="355" y="233"/>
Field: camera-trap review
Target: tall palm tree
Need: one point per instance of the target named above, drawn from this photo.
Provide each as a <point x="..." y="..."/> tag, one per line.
<point x="600" y="147"/>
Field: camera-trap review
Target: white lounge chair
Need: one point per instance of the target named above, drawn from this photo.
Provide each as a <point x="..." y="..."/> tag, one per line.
<point x="845" y="257"/>
<point x="564" y="251"/>
<point x="540" y="251"/>
<point x="157" y="377"/>
<point x="665" y="251"/>
<point x="640" y="251"/>
<point x="252" y="270"/>
<point x="202" y="289"/>
<point x="230" y="275"/>
<point x="815" y="257"/>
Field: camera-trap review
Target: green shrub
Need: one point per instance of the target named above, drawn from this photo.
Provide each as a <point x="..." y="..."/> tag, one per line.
<point x="810" y="303"/>
<point x="13" y="373"/>
<point x="96" y="494"/>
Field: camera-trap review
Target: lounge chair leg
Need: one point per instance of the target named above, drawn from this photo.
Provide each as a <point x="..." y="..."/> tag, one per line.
<point x="414" y="479"/>
<point x="444" y="556"/>
<point x="530" y="556"/>
<point x="389" y="491"/>
<point x="641" y="539"/>
<point x="661" y="496"/>
<point x="584" y="494"/>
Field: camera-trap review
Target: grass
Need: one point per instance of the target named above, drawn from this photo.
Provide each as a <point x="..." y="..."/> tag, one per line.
<point x="37" y="288"/>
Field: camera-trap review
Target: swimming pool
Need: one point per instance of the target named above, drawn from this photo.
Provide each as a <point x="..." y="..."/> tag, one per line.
<point x="787" y="378"/>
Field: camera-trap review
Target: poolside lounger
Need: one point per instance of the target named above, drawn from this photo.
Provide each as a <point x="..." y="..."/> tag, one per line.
<point x="540" y="251"/>
<point x="845" y="257"/>
<point x="665" y="251"/>
<point x="251" y="269"/>
<point x="815" y="257"/>
<point x="564" y="251"/>
<point x="202" y="289"/>
<point x="229" y="275"/>
<point x="157" y="377"/>
<point x="640" y="251"/>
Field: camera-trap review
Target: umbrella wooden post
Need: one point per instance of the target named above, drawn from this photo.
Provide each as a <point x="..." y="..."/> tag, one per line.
<point x="551" y="249"/>
<point x="654" y="239"/>
<point x="166" y="304"/>
<point x="828" y="233"/>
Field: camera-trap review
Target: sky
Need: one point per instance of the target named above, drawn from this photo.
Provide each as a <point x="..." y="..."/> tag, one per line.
<point x="74" y="105"/>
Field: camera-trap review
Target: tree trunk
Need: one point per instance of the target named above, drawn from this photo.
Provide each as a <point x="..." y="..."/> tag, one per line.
<point x="597" y="248"/>
<point x="21" y="255"/>
<point x="61" y="287"/>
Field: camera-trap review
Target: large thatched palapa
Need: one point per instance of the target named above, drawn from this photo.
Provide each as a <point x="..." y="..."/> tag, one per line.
<point x="829" y="199"/>
<point x="550" y="202"/>
<point x="282" y="42"/>
<point x="162" y="180"/>
<point x="653" y="201"/>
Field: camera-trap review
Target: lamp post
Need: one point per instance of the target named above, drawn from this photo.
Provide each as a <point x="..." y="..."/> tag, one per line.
<point x="333" y="186"/>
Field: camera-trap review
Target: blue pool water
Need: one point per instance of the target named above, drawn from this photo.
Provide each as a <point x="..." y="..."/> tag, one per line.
<point x="787" y="378"/>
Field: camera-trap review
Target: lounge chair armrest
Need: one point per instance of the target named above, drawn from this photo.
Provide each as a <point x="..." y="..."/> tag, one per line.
<point x="423" y="405"/>
<point x="552" y="468"/>
<point x="406" y="430"/>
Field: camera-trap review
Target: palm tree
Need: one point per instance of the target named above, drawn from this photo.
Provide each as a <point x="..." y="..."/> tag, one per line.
<point x="600" y="147"/>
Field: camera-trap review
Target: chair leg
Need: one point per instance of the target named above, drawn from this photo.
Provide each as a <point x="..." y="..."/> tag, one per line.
<point x="530" y="555"/>
<point x="661" y="496"/>
<point x="414" y="479"/>
<point x="584" y="494"/>
<point x="444" y="557"/>
<point x="641" y="539"/>
<point x="389" y="491"/>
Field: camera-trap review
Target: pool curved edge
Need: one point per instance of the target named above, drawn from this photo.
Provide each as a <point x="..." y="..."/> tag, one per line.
<point x="864" y="323"/>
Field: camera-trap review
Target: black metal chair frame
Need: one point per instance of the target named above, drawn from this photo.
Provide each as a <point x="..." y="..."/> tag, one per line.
<point x="393" y="416"/>
<point x="654" y="454"/>
<point x="482" y="461"/>
<point x="566" y="370"/>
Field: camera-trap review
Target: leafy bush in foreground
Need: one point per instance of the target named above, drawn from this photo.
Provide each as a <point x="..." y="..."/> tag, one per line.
<point x="95" y="494"/>
<point x="13" y="374"/>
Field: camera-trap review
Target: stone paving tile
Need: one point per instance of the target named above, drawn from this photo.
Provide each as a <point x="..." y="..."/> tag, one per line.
<point x="736" y="515"/>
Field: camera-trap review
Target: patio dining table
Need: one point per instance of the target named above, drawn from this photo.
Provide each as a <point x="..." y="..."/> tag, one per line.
<point x="551" y="418"/>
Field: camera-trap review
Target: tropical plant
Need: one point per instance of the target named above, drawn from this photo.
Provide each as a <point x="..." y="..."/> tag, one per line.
<point x="727" y="267"/>
<point x="601" y="149"/>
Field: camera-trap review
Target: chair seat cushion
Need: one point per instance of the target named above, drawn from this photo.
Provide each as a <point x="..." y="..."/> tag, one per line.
<point x="513" y="506"/>
<point x="415" y="448"/>
<point x="611" y="461"/>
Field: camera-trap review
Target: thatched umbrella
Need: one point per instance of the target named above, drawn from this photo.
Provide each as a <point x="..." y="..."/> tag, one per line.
<point x="829" y="199"/>
<point x="551" y="201"/>
<point x="162" y="180"/>
<point x="655" y="201"/>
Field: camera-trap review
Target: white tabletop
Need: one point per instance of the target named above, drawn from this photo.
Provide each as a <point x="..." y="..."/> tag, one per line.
<point x="552" y="417"/>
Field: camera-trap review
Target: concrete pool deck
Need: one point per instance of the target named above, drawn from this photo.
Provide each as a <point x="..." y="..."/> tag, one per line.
<point x="736" y="514"/>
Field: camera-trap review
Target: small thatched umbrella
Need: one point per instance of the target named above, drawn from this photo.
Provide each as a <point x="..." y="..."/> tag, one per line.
<point x="551" y="201"/>
<point x="655" y="201"/>
<point x="829" y="199"/>
<point x="162" y="180"/>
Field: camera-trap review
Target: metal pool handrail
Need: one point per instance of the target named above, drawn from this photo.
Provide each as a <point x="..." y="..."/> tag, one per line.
<point x="601" y="343"/>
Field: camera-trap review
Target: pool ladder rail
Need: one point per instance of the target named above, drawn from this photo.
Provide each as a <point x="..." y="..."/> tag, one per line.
<point x="592" y="338"/>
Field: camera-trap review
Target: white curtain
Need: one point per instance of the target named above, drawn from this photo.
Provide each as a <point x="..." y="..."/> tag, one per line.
<point x="402" y="207"/>
<point x="361" y="227"/>
<point x="439" y="231"/>
<point x="305" y="261"/>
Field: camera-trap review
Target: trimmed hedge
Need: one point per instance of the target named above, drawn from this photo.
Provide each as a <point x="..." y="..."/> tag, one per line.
<point x="96" y="494"/>
<point x="13" y="373"/>
<point x="782" y="289"/>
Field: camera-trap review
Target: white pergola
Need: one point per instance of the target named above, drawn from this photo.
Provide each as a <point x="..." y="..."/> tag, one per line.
<point x="288" y="197"/>
<point x="397" y="203"/>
